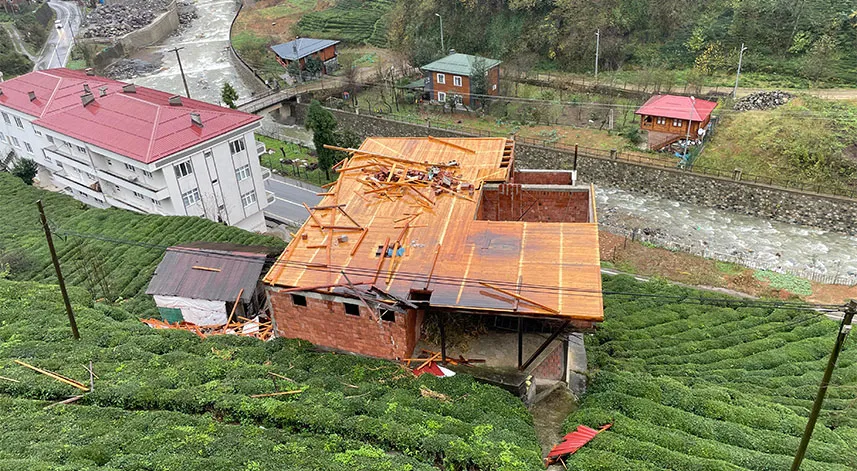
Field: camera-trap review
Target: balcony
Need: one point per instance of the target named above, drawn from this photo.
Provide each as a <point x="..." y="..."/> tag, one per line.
<point x="266" y="173"/>
<point x="66" y="157"/>
<point x="269" y="196"/>
<point x="63" y="181"/>
<point x="260" y="148"/>
<point x="137" y="184"/>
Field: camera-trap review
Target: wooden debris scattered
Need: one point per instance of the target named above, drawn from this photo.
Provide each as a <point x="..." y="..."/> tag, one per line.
<point x="262" y="330"/>
<point x="67" y="401"/>
<point x="9" y="379"/>
<point x="426" y="392"/>
<point x="197" y="267"/>
<point x="55" y="376"/>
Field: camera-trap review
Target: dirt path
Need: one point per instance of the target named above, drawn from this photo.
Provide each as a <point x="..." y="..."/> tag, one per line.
<point x="548" y="416"/>
<point x="17" y="42"/>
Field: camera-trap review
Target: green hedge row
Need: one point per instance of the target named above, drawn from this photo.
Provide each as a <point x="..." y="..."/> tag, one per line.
<point x="694" y="386"/>
<point x="478" y="427"/>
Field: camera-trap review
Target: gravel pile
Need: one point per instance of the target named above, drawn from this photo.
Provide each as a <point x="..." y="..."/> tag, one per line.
<point x="124" y="69"/>
<point x="762" y="101"/>
<point x="111" y="21"/>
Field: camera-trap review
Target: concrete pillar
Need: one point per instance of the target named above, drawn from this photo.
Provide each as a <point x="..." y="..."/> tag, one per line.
<point x="577" y="364"/>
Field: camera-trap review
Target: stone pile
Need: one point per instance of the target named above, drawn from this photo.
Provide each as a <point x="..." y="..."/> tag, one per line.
<point x="762" y="101"/>
<point x="187" y="13"/>
<point x="124" y="69"/>
<point x="110" y="21"/>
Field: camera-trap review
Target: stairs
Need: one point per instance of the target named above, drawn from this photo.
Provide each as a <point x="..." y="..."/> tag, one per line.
<point x="508" y="154"/>
<point x="8" y="161"/>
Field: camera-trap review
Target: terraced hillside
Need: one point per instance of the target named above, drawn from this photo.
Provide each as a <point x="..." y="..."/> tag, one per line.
<point x="352" y="21"/>
<point x="167" y="400"/>
<point x="109" y="270"/>
<point x="702" y="387"/>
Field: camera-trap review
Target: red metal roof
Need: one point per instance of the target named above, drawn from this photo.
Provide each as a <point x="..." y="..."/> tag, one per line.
<point x="142" y="125"/>
<point x="677" y="107"/>
<point x="574" y="441"/>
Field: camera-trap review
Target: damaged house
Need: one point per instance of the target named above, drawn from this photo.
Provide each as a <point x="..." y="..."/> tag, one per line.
<point x="441" y="245"/>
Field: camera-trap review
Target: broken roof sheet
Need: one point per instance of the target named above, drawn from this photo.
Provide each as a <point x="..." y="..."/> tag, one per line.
<point x="677" y="107"/>
<point x="220" y="275"/>
<point x="558" y="263"/>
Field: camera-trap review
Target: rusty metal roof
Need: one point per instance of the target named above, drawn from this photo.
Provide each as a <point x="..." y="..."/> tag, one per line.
<point x="214" y="275"/>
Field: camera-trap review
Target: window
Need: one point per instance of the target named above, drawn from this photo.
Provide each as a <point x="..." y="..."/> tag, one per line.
<point x="36" y="131"/>
<point x="183" y="169"/>
<point x="299" y="300"/>
<point x="81" y="149"/>
<point x="15" y="142"/>
<point x="138" y="195"/>
<point x="6" y="118"/>
<point x="157" y="203"/>
<point x="441" y="97"/>
<point x="208" y="154"/>
<point x="458" y="99"/>
<point x="248" y="198"/>
<point x="441" y="78"/>
<point x="242" y="173"/>
<point x="49" y="160"/>
<point x="236" y="146"/>
<point x="19" y="123"/>
<point x="662" y="121"/>
<point x="29" y="147"/>
<point x="109" y="162"/>
<point x="147" y="173"/>
<point x="91" y="176"/>
<point x="494" y="87"/>
<point x="51" y="139"/>
<point x="352" y="309"/>
<point x="387" y="315"/>
<point x="130" y="168"/>
<point x="191" y="197"/>
<point x="676" y="122"/>
<point x="456" y="80"/>
<point x="2" y="137"/>
<point x="59" y="164"/>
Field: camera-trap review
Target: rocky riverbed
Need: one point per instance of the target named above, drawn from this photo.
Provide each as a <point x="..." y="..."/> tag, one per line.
<point x="110" y="21"/>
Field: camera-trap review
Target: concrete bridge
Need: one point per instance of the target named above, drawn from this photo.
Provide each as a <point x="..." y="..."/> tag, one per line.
<point x="264" y="101"/>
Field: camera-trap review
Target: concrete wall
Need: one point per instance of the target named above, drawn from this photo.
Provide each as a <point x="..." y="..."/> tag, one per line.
<point x="829" y="212"/>
<point x="533" y="203"/>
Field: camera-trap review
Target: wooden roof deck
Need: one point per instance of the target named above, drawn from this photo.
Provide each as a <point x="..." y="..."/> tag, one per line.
<point x="557" y="263"/>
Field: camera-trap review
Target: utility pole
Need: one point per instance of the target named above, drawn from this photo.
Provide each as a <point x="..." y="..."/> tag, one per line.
<point x="179" y="59"/>
<point x="844" y="328"/>
<point x="56" y="261"/>
<point x="738" y="75"/>
<point x="442" y="47"/>
<point x="597" y="48"/>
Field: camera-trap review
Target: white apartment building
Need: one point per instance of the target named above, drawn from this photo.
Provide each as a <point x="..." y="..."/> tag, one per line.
<point x="108" y="143"/>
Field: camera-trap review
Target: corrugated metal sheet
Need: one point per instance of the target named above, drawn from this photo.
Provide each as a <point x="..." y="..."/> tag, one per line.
<point x="574" y="441"/>
<point x="175" y="275"/>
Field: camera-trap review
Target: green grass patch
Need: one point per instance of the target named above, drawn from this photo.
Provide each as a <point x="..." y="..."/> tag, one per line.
<point x="287" y="8"/>
<point x="353" y="21"/>
<point x="166" y="399"/>
<point x="293" y="152"/>
<point x="790" y="283"/>
<point x="693" y="386"/>
<point x="110" y="270"/>
<point x="728" y="268"/>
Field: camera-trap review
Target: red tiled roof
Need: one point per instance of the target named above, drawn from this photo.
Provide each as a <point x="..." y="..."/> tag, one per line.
<point x="677" y="107"/>
<point x="142" y="125"/>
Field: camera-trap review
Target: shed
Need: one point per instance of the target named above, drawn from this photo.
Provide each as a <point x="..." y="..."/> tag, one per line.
<point x="668" y="118"/>
<point x="302" y="48"/>
<point x="200" y="283"/>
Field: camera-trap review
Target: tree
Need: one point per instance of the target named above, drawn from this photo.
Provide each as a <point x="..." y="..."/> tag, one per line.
<point x="229" y="95"/>
<point x="294" y="71"/>
<point x="26" y="170"/>
<point x="478" y="79"/>
<point x="313" y="66"/>
<point x="820" y="62"/>
<point x="323" y="126"/>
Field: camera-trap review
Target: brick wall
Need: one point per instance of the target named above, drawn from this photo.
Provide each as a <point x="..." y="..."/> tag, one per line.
<point x="515" y="202"/>
<point x="553" y="366"/>
<point x="323" y="321"/>
<point x="450" y="88"/>
<point x="542" y="177"/>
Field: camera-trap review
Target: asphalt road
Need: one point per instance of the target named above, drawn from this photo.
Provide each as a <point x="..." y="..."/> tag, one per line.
<point x="58" y="47"/>
<point x="289" y="194"/>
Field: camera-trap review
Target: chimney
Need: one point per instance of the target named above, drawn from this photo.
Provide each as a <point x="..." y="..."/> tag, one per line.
<point x="451" y="52"/>
<point x="86" y="88"/>
<point x="295" y="46"/>
<point x="32" y="96"/>
<point x="130" y="88"/>
<point x="102" y="91"/>
<point x="196" y="119"/>
<point x="175" y="100"/>
<point x="89" y="71"/>
<point x="87" y="98"/>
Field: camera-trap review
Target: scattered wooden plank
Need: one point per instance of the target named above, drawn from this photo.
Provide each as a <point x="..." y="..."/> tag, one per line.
<point x="451" y="144"/>
<point x="197" y="267"/>
<point x="67" y="401"/>
<point x="234" y="307"/>
<point x="55" y="376"/>
<point x="359" y="241"/>
<point x="519" y="297"/>
<point x="9" y="379"/>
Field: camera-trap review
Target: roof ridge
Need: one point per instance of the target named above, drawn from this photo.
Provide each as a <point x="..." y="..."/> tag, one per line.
<point x="53" y="94"/>
<point x="152" y="136"/>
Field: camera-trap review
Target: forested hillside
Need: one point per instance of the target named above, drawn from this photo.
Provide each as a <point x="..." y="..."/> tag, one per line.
<point x="813" y="40"/>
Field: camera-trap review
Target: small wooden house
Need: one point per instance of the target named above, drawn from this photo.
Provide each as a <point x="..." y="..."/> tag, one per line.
<point x="301" y="49"/>
<point x="450" y="76"/>
<point x="669" y="118"/>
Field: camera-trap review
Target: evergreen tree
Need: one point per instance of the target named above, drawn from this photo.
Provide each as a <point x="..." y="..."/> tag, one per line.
<point x="323" y="126"/>
<point x="26" y="170"/>
<point x="229" y="95"/>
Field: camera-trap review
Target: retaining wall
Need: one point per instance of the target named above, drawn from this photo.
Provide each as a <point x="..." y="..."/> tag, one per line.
<point x="162" y="26"/>
<point x="791" y="206"/>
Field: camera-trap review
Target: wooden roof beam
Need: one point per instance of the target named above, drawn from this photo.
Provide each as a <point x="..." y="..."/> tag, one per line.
<point x="450" y="144"/>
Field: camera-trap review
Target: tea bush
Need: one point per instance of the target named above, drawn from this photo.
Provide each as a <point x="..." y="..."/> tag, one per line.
<point x="707" y="387"/>
<point x="480" y="427"/>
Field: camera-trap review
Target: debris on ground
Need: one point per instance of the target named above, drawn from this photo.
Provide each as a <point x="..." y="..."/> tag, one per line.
<point x="426" y="392"/>
<point x="573" y="442"/>
<point x="124" y="69"/>
<point x="114" y="20"/>
<point x="260" y="329"/>
<point x="762" y="101"/>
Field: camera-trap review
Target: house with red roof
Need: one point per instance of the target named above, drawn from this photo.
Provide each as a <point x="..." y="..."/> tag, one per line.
<point x="668" y="118"/>
<point x="114" y="144"/>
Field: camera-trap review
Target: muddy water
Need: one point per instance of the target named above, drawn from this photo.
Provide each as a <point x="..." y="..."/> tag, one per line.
<point x="787" y="246"/>
<point x="205" y="58"/>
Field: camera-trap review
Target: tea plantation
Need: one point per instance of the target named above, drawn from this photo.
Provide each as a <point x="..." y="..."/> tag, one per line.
<point x="701" y="387"/>
<point x="353" y="21"/>
<point x="107" y="269"/>
<point x="165" y="399"/>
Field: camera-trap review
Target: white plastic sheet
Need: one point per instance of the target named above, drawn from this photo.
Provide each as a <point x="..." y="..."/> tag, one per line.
<point x="196" y="311"/>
